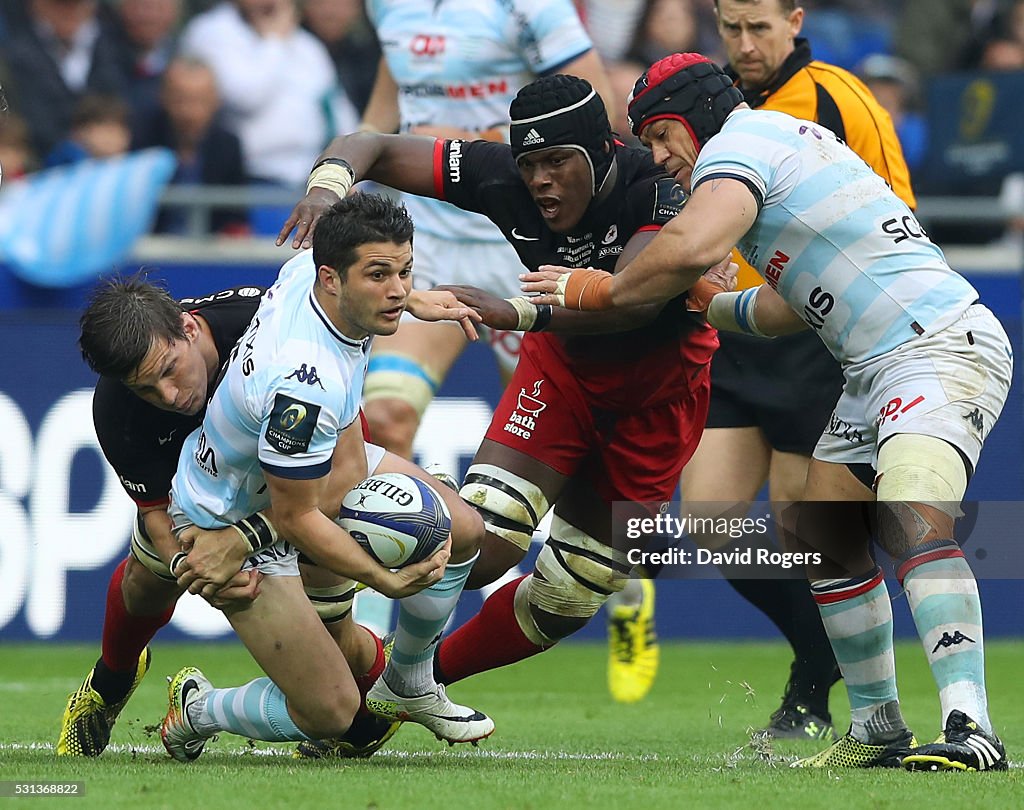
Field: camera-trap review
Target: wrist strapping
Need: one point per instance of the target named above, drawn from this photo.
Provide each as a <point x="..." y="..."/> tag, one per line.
<point x="734" y="312"/>
<point x="177" y="558"/>
<point x="532" y="317"/>
<point x="256" y="531"/>
<point x="333" y="174"/>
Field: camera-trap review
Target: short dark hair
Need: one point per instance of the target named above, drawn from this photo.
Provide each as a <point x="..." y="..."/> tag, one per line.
<point x="787" y="7"/>
<point x="121" y="320"/>
<point x="358" y="220"/>
<point x="98" y="108"/>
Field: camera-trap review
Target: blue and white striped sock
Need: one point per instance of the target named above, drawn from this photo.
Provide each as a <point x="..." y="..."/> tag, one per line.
<point x="258" y="710"/>
<point x="946" y="607"/>
<point x="421" y="621"/>
<point x="857" y="615"/>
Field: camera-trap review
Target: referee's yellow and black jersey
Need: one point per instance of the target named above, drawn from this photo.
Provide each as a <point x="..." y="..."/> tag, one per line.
<point x="834" y="98"/>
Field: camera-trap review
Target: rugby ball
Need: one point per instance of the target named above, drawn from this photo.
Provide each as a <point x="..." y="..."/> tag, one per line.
<point x="396" y="518"/>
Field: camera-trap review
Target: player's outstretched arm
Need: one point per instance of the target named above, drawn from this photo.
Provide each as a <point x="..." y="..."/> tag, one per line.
<point x="717" y="215"/>
<point x="404" y="162"/>
<point x="442" y="305"/>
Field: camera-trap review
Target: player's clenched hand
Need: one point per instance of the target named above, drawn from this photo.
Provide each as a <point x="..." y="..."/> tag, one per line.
<point x="240" y="591"/>
<point x="214" y="557"/>
<point x="414" y="578"/>
<point x="718" y="278"/>
<point x="304" y="217"/>
<point x="442" y="305"/>
<point x="588" y="289"/>
<point x="495" y="312"/>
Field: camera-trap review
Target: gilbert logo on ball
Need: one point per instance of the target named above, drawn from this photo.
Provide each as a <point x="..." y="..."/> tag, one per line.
<point x="396" y="518"/>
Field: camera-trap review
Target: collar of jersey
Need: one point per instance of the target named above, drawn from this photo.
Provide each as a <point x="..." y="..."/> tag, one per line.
<point x="319" y="310"/>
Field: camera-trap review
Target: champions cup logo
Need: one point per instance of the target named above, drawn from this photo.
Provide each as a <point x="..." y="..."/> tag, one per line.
<point x="976" y="107"/>
<point x="292" y="417"/>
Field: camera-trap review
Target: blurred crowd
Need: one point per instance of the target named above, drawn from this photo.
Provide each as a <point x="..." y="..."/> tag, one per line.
<point x="249" y="91"/>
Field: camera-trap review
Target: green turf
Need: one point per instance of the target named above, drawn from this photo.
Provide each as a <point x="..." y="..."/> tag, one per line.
<point x="560" y="742"/>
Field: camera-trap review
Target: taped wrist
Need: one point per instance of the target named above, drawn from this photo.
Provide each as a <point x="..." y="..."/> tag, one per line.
<point x="734" y="312"/>
<point x="256" y="531"/>
<point x="333" y="174"/>
<point x="532" y="317"/>
<point x="177" y="558"/>
<point x="586" y="290"/>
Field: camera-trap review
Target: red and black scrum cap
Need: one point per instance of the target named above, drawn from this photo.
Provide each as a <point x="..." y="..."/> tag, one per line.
<point x="686" y="87"/>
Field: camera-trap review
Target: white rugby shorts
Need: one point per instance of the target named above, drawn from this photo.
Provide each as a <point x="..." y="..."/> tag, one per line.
<point x="951" y="385"/>
<point x="491" y="266"/>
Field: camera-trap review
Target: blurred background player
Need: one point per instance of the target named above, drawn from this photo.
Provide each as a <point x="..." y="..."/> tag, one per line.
<point x="599" y="411"/>
<point x="770" y="401"/>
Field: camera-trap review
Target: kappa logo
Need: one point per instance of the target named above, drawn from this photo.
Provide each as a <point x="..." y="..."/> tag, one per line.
<point x="976" y="419"/>
<point x="307" y="376"/>
<point x="533" y="138"/>
<point x="954" y="640"/>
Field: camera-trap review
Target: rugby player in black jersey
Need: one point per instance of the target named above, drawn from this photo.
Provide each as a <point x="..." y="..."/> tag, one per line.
<point x="600" y="409"/>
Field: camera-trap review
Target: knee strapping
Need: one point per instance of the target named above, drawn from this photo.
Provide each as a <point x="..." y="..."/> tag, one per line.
<point x="399" y="376"/>
<point x="334" y="603"/>
<point x="510" y="506"/>
<point x="914" y="468"/>
<point x="577" y="573"/>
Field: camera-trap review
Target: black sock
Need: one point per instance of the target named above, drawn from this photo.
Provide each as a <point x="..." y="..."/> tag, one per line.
<point x="112" y="686"/>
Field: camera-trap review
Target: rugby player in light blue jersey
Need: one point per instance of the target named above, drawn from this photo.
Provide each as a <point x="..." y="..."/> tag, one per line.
<point x="283" y="432"/>
<point x="927" y="369"/>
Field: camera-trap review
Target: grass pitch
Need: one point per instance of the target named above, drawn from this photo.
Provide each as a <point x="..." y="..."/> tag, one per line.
<point x="560" y="741"/>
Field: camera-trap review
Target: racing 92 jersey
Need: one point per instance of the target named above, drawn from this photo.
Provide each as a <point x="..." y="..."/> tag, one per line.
<point x="460" y="63"/>
<point x="293" y="383"/>
<point x="832" y="238"/>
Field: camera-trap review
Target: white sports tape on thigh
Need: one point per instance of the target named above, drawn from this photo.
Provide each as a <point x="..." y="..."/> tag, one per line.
<point x="332" y="604"/>
<point x="921" y="469"/>
<point x="578" y="573"/>
<point x="510" y="506"/>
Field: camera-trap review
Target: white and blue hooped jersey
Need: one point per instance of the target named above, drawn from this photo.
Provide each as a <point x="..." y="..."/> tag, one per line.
<point x="460" y="63"/>
<point x="292" y="384"/>
<point x="832" y="238"/>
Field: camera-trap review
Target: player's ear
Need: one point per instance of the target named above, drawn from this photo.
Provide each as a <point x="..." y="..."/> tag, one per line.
<point x="190" y="325"/>
<point x="328" y="278"/>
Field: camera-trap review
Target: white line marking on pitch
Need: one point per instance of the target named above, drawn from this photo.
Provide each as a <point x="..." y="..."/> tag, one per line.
<point x="541" y="756"/>
<point x="285" y="752"/>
